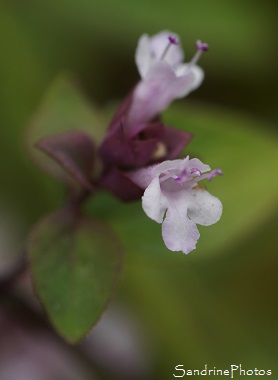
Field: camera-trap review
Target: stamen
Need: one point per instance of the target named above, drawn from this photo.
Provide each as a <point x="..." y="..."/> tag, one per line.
<point x="201" y="47"/>
<point x="214" y="173"/>
<point x="195" y="172"/>
<point x="189" y="175"/>
<point x="172" y="41"/>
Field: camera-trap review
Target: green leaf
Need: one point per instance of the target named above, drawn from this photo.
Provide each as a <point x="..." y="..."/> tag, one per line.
<point x="63" y="109"/>
<point x="74" y="265"/>
<point x="248" y="189"/>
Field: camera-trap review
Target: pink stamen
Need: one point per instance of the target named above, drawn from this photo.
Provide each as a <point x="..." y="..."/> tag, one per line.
<point x="214" y="173"/>
<point x="201" y="46"/>
<point x="195" y="171"/>
<point x="172" y="41"/>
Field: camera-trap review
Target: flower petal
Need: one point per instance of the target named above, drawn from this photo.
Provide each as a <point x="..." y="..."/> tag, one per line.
<point x="153" y="201"/>
<point x="196" y="72"/>
<point x="150" y="50"/>
<point x="188" y="81"/>
<point x="170" y="165"/>
<point x="195" y="163"/>
<point x="143" y="56"/>
<point x="153" y="94"/>
<point x="157" y="90"/>
<point x="159" y="43"/>
<point x="179" y="233"/>
<point x="204" y="208"/>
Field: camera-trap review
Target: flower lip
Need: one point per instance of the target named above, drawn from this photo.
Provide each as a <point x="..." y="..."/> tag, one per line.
<point x="190" y="176"/>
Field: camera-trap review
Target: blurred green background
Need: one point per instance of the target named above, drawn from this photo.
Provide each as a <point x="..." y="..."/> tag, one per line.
<point x="219" y="304"/>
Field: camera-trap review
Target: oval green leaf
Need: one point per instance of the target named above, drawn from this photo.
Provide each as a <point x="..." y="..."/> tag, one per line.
<point x="74" y="265"/>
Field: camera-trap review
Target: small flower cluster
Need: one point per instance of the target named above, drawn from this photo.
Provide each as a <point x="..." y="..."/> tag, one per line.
<point x="139" y="152"/>
<point x="138" y="148"/>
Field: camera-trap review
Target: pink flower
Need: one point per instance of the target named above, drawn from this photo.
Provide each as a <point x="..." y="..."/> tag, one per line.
<point x="172" y="188"/>
<point x="164" y="76"/>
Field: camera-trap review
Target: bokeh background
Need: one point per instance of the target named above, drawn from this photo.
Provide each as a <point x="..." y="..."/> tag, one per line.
<point x="219" y="304"/>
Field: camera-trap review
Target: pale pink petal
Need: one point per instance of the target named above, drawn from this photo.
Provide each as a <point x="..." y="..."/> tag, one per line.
<point x="159" y="88"/>
<point x="199" y="75"/>
<point x="188" y="81"/>
<point x="143" y="56"/>
<point x="195" y="163"/>
<point x="153" y="201"/>
<point x="150" y="50"/>
<point x="170" y="165"/>
<point x="152" y="95"/>
<point x="179" y="233"/>
<point x="159" y="43"/>
<point x="196" y="71"/>
<point x="204" y="208"/>
<point x="143" y="177"/>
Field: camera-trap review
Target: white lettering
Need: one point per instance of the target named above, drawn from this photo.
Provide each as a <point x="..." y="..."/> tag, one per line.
<point x="204" y="371"/>
<point x="233" y="369"/>
<point x="179" y="369"/>
<point x="241" y="371"/>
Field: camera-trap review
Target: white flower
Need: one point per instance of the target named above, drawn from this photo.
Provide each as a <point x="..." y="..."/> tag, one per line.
<point x="172" y="186"/>
<point x="164" y="76"/>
